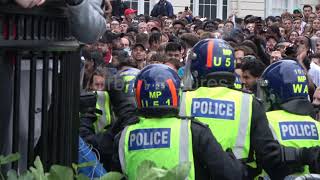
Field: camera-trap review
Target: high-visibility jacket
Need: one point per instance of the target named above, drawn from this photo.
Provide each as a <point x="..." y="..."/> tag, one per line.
<point x="103" y="104"/>
<point x="227" y="112"/>
<point x="166" y="141"/>
<point x="128" y="76"/>
<point x="294" y="130"/>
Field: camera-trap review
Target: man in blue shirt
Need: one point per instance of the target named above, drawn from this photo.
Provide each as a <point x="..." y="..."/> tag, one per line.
<point x="162" y="8"/>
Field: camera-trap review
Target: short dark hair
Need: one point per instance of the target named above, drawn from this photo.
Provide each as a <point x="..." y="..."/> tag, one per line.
<point x="229" y="22"/>
<point x="307" y="6"/>
<point x="142" y="38"/>
<point x="255" y="67"/>
<point x="318" y="7"/>
<point x="155" y="38"/>
<point x="173" y="46"/>
<point x="179" y="22"/>
<point x="158" y="57"/>
<point x="190" y="39"/>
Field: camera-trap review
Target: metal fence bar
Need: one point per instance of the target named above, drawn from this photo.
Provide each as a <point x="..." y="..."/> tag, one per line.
<point x="54" y="109"/>
<point x="33" y="73"/>
<point x="75" y="94"/>
<point x="16" y="107"/>
<point x="44" y="113"/>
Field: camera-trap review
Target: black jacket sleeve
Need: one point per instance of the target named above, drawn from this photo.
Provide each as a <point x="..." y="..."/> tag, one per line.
<point x="266" y="148"/>
<point x="209" y="157"/>
<point x="103" y="142"/>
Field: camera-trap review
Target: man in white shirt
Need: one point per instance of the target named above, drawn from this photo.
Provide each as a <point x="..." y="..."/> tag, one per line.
<point x="314" y="71"/>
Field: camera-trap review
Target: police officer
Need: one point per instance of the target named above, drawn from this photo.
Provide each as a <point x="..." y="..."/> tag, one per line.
<point x="290" y="114"/>
<point x="121" y="90"/>
<point x="236" y="118"/>
<point x="158" y="135"/>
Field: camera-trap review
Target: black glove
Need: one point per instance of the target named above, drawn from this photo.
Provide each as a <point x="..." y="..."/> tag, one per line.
<point x="271" y="155"/>
<point x="311" y="157"/>
<point x="74" y="2"/>
<point x="88" y="102"/>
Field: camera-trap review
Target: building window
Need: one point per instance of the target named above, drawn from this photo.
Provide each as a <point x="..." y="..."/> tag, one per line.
<point x="133" y="4"/>
<point x="276" y="7"/>
<point x="225" y="9"/>
<point x="147" y="7"/>
<point x="210" y="9"/>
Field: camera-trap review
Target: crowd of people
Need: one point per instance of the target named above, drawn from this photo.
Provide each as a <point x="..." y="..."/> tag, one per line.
<point x="141" y="59"/>
<point x="237" y="98"/>
<point x="142" y="40"/>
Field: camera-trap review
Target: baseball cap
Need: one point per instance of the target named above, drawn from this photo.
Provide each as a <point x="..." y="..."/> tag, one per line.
<point x="129" y="11"/>
<point x="139" y="45"/>
<point x="297" y="10"/>
<point x="109" y="36"/>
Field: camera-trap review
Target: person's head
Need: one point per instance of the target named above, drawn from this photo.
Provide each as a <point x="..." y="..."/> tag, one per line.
<point x="250" y="27"/>
<point x="123" y="27"/>
<point x="97" y="81"/>
<point x="139" y="53"/>
<point x="173" y="50"/>
<point x="121" y="59"/>
<point x="239" y="53"/>
<point x="178" y="25"/>
<point x="154" y="41"/>
<point x="189" y="39"/>
<point x="168" y="22"/>
<point x="213" y="64"/>
<point x="210" y="26"/>
<point x="315" y="58"/>
<point x="312" y="17"/>
<point x="316" y="97"/>
<point x="157" y="91"/>
<point x="221" y="26"/>
<point x="292" y="36"/>
<point x="228" y="26"/>
<point x="125" y="43"/>
<point x="130" y="14"/>
<point x="307" y="10"/>
<point x="316" y="24"/>
<point x="270" y="20"/>
<point x="251" y="72"/>
<point x="318" y="10"/>
<point x="287" y="24"/>
<point x="156" y="58"/>
<point x="132" y="32"/>
<point x="317" y="49"/>
<point x="150" y="25"/>
<point x="173" y="63"/>
<point x="285" y="80"/>
<point x="115" y="26"/>
<point x="317" y="33"/>
<point x="142" y="19"/>
<point x="142" y="27"/>
<point x="271" y="43"/>
<point x="282" y="31"/>
<point x="275" y="56"/>
<point x="297" y="13"/>
<point x="297" y="24"/>
<point x="142" y="38"/>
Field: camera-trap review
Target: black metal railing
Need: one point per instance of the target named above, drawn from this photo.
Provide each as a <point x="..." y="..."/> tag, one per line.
<point x="38" y="44"/>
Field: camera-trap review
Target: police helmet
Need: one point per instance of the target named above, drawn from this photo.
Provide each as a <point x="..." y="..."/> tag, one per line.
<point x="282" y="81"/>
<point x="214" y="58"/>
<point x="157" y="91"/>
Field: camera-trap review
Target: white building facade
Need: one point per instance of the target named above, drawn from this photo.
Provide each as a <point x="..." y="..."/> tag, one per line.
<point x="223" y="8"/>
